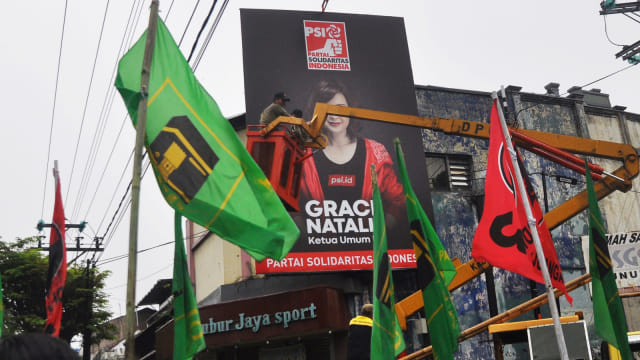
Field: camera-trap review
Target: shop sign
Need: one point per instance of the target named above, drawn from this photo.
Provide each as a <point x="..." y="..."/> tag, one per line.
<point x="255" y="322"/>
<point x="624" y="249"/>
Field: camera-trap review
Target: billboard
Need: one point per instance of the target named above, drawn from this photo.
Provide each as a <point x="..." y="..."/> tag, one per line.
<point x="351" y="60"/>
<point x="624" y="249"/>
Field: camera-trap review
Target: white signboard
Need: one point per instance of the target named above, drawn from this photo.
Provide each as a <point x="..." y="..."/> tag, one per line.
<point x="624" y="249"/>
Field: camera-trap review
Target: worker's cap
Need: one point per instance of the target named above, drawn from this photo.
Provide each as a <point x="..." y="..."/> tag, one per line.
<point x="281" y="95"/>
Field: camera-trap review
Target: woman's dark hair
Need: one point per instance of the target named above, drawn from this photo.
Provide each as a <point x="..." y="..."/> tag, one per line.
<point x="324" y="91"/>
<point x="35" y="346"/>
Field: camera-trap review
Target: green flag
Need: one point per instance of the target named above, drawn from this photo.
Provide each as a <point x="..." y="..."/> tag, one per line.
<point x="387" y="341"/>
<point x="435" y="272"/>
<point x="608" y="313"/>
<point x="187" y="331"/>
<point x="203" y="169"/>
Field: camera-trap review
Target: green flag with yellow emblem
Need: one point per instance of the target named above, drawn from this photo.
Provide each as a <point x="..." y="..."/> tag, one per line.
<point x="608" y="312"/>
<point x="434" y="274"/>
<point x="188" y="339"/>
<point x="203" y="169"/>
<point x="387" y="341"/>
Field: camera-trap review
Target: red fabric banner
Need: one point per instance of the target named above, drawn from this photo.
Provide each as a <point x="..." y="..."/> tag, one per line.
<point x="503" y="238"/>
<point x="57" y="274"/>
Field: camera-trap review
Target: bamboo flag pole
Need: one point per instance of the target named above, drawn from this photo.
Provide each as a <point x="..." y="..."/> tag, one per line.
<point x="562" y="346"/>
<point x="135" y="181"/>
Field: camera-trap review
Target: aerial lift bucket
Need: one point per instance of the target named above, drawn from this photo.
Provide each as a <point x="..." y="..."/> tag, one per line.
<point x="280" y="155"/>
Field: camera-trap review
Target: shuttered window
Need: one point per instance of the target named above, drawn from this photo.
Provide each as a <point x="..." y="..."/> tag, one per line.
<point x="449" y="172"/>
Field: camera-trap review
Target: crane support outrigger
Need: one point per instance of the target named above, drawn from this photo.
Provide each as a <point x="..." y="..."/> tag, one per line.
<point x="619" y="179"/>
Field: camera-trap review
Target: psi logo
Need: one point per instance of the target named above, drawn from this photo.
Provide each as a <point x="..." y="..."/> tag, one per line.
<point x="326" y="45"/>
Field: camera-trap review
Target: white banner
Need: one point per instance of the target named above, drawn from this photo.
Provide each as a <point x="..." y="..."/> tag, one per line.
<point x="624" y="249"/>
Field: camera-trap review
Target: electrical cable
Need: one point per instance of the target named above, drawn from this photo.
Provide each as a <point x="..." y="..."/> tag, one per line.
<point x="86" y="100"/>
<point x="126" y="167"/>
<point x="204" y="24"/>
<point x="188" y="22"/>
<point x="124" y="256"/>
<point x="102" y="176"/>
<point x="627" y="15"/>
<point x="585" y="85"/>
<point x="132" y="21"/>
<point x="121" y="215"/>
<point x="168" y="11"/>
<point x="606" y="32"/>
<point x="210" y="35"/>
<point x="53" y="111"/>
<point x="113" y="219"/>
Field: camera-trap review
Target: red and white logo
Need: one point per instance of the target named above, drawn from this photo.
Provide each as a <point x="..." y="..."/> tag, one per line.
<point x="342" y="180"/>
<point x="326" y="45"/>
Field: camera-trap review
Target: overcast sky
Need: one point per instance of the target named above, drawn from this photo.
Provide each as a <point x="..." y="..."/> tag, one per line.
<point x="466" y="44"/>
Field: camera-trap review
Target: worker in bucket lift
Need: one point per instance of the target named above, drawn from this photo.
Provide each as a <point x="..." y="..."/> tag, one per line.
<point x="275" y="109"/>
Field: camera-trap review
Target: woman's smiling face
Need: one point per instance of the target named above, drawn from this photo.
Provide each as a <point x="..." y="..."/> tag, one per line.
<point x="337" y="124"/>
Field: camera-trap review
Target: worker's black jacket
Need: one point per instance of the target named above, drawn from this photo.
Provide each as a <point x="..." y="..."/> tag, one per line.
<point x="359" y="342"/>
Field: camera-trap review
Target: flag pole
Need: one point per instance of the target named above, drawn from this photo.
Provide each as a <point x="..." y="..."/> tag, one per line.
<point x="135" y="181"/>
<point x="562" y="346"/>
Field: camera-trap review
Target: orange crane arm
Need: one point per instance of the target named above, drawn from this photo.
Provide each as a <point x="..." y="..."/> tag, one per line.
<point x="576" y="145"/>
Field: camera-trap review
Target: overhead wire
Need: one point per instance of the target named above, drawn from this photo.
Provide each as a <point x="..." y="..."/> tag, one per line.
<point x="124" y="170"/>
<point x="124" y="256"/>
<point x="188" y="22"/>
<point x="210" y="35"/>
<point x="104" y="171"/>
<point x="606" y="32"/>
<point x="116" y="222"/>
<point x="118" y="214"/>
<point x="134" y="13"/>
<point x="204" y="24"/>
<point x="86" y="100"/>
<point x="53" y="111"/>
<point x="627" y="15"/>
<point x="585" y="85"/>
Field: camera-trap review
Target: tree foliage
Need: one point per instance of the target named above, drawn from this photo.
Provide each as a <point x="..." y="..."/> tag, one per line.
<point x="24" y="272"/>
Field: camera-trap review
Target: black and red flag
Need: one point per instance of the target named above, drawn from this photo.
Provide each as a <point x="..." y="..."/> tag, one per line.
<point x="57" y="274"/>
<point x="503" y="238"/>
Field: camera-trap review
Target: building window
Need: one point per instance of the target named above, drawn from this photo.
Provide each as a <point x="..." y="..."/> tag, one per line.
<point x="448" y="172"/>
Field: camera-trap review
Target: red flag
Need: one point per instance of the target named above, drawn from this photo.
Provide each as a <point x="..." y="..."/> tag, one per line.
<point x="57" y="274"/>
<point x="503" y="238"/>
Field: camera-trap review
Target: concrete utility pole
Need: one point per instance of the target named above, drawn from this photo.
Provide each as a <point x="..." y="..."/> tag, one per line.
<point x="135" y="180"/>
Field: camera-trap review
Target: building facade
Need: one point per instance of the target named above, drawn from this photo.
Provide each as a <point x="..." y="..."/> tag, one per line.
<point x="456" y="165"/>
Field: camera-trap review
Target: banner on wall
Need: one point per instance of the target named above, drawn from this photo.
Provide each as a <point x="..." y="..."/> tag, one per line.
<point x="624" y="249"/>
<point x="350" y="60"/>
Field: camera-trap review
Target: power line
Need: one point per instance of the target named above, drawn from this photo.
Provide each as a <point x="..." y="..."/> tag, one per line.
<point x="53" y="111"/>
<point x="102" y="176"/>
<point x="86" y="100"/>
<point x="132" y="21"/>
<point x="204" y="24"/>
<point x="188" y="23"/>
<point x="583" y="86"/>
<point x="636" y="20"/>
<point x="210" y="35"/>
<point x="124" y="256"/>
<point x="126" y="167"/>
<point x="606" y="32"/>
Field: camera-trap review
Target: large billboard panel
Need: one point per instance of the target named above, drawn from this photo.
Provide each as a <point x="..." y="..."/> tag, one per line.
<point x="351" y="60"/>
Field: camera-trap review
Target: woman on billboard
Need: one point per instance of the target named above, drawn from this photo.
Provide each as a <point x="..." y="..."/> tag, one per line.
<point x="340" y="171"/>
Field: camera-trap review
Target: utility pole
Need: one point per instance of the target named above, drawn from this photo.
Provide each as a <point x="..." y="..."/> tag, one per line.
<point x="630" y="53"/>
<point x="86" y="334"/>
<point x="135" y="179"/>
